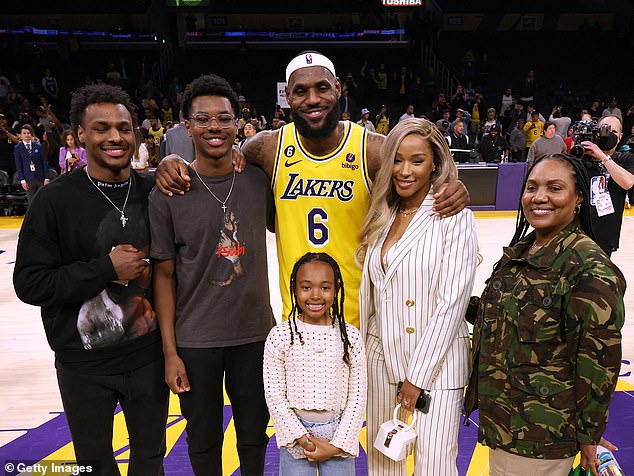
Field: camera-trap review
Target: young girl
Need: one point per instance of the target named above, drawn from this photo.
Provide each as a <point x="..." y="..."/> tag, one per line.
<point x="315" y="375"/>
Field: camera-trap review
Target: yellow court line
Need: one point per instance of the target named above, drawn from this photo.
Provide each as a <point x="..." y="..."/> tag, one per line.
<point x="495" y="214"/>
<point x="173" y="433"/>
<point x="479" y="465"/>
<point x="230" y="461"/>
<point x="16" y="222"/>
<point x="11" y="222"/>
<point x="623" y="386"/>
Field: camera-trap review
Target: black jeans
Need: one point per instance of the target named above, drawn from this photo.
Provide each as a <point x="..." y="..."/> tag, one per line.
<point x="33" y="189"/>
<point x="203" y="406"/>
<point x="89" y="403"/>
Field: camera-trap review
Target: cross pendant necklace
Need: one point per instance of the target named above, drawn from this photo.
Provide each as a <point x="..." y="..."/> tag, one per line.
<point x="123" y="219"/>
<point x="223" y="203"/>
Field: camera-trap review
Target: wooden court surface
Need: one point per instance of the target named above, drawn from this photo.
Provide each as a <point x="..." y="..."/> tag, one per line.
<point x="32" y="426"/>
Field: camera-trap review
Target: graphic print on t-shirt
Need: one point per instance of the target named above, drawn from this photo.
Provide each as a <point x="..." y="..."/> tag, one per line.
<point x="230" y="248"/>
<point x="122" y="311"/>
<point x="118" y="314"/>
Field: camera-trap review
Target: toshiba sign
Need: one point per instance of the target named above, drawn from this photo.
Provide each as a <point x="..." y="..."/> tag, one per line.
<point x="402" y="3"/>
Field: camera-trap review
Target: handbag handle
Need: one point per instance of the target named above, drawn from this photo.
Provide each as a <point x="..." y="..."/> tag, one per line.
<point x="396" y="421"/>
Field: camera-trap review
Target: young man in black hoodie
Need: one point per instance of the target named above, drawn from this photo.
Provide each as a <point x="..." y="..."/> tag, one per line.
<point x="82" y="257"/>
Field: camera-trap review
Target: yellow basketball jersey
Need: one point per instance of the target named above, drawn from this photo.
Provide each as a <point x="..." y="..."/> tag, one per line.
<point x="321" y="203"/>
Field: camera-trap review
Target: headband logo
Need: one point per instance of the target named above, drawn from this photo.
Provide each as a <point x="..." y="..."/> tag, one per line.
<point x="309" y="59"/>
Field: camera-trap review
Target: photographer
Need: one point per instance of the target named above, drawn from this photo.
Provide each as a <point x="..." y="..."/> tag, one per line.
<point x="610" y="179"/>
<point x="562" y="123"/>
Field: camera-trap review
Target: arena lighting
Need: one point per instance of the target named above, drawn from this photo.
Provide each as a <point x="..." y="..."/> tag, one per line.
<point x="29" y="30"/>
<point x="186" y="3"/>
<point x="296" y="35"/>
<point x="402" y="3"/>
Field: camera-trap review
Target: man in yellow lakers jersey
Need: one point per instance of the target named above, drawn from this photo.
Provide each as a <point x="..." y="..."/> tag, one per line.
<point x="321" y="171"/>
<point x="321" y="201"/>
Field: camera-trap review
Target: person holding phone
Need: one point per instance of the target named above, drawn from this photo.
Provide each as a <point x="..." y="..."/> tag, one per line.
<point x="418" y="273"/>
<point x="71" y="155"/>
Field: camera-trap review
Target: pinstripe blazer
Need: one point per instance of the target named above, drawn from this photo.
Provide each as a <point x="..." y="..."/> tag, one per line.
<point x="416" y="306"/>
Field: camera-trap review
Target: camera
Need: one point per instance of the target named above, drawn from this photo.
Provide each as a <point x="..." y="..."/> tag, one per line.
<point x="591" y="132"/>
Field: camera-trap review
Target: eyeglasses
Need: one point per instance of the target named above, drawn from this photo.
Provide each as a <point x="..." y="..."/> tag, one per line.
<point x="224" y="121"/>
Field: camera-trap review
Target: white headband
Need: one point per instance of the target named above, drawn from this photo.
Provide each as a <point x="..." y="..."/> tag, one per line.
<point x="309" y="59"/>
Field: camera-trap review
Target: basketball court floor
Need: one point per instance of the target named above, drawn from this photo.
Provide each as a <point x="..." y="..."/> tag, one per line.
<point x="32" y="424"/>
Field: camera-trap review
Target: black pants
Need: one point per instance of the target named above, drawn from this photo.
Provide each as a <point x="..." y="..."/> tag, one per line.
<point x="203" y="406"/>
<point x="89" y="403"/>
<point x="33" y="189"/>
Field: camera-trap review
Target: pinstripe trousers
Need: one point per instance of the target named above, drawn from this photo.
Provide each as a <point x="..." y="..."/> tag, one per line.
<point x="437" y="442"/>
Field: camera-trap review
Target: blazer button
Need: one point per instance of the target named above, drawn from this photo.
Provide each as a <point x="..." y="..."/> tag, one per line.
<point x="497" y="285"/>
<point x="544" y="390"/>
<point x="409" y="302"/>
<point x="409" y="330"/>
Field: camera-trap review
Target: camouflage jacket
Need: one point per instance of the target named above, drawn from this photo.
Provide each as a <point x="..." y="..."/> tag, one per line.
<point x="549" y="344"/>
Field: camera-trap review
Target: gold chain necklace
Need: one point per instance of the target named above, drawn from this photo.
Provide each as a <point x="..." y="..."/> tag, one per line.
<point x="408" y="213"/>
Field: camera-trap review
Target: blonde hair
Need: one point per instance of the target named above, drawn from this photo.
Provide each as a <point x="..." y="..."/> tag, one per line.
<point x="384" y="197"/>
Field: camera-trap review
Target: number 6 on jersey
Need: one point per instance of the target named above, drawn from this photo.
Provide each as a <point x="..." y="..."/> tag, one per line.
<point x="317" y="230"/>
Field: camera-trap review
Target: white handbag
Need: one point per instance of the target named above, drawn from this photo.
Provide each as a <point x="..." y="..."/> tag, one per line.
<point x="395" y="438"/>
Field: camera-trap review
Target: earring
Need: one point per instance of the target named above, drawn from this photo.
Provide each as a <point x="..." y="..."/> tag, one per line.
<point x="577" y="208"/>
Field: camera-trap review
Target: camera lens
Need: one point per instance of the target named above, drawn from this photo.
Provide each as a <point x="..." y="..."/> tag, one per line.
<point x="578" y="151"/>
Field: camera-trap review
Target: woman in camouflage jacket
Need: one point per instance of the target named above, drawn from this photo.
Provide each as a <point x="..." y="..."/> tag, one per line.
<point x="547" y="341"/>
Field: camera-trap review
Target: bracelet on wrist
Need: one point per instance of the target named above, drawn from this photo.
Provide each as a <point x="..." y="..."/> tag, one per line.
<point x="606" y="159"/>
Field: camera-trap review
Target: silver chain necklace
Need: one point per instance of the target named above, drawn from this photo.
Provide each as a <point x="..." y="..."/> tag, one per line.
<point x="123" y="219"/>
<point x="222" y="202"/>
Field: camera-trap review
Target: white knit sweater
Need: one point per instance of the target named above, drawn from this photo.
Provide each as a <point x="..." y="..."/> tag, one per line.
<point x="314" y="376"/>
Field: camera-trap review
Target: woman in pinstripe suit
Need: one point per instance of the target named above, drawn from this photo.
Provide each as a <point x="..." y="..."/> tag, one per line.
<point x="418" y="273"/>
